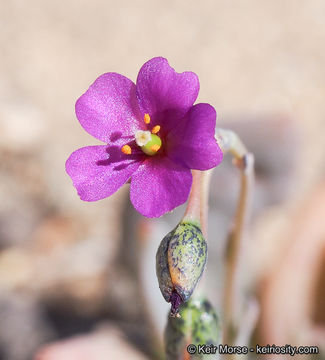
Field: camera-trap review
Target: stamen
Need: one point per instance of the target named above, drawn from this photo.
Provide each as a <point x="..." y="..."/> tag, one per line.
<point x="147" y="118"/>
<point x="155" y="147"/>
<point x="155" y="129"/>
<point x="126" y="149"/>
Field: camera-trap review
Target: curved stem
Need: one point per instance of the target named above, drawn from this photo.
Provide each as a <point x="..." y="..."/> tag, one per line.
<point x="231" y="306"/>
<point x="230" y="142"/>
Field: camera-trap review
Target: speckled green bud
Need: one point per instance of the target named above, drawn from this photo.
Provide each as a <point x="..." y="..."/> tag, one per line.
<point x="180" y="261"/>
<point x="199" y="324"/>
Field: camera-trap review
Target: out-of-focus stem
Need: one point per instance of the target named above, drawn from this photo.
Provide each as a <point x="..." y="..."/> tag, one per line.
<point x="248" y="323"/>
<point x="245" y="165"/>
<point x="230" y="142"/>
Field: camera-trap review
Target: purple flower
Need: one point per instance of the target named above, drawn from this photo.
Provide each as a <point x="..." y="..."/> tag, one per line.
<point x="154" y="136"/>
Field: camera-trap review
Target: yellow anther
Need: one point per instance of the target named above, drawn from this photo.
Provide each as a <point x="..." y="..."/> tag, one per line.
<point x="155" y="147"/>
<point x="126" y="150"/>
<point x="146" y="118"/>
<point x="155" y="129"/>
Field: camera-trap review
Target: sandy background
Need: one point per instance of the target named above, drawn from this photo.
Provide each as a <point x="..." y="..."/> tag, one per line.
<point x="64" y="265"/>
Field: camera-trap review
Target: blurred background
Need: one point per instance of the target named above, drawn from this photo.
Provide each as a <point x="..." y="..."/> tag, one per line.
<point x="77" y="280"/>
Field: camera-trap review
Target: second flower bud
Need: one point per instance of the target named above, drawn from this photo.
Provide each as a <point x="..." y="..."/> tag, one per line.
<point x="180" y="261"/>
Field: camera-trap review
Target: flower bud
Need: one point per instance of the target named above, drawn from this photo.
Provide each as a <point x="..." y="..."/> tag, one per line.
<point x="199" y="324"/>
<point x="180" y="262"/>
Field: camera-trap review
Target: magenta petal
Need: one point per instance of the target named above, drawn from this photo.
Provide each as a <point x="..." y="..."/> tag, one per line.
<point x="98" y="171"/>
<point x="158" y="186"/>
<point x="109" y="108"/>
<point x="192" y="143"/>
<point x="165" y="94"/>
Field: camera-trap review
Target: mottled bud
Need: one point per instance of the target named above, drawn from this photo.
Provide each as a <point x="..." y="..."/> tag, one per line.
<point x="198" y="324"/>
<point x="180" y="262"/>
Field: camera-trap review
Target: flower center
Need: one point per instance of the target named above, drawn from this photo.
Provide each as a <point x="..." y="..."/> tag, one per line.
<point x="149" y="142"/>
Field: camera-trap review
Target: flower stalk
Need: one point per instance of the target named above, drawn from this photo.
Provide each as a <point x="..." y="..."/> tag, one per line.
<point x="204" y="209"/>
<point x="193" y="210"/>
<point x="198" y="205"/>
